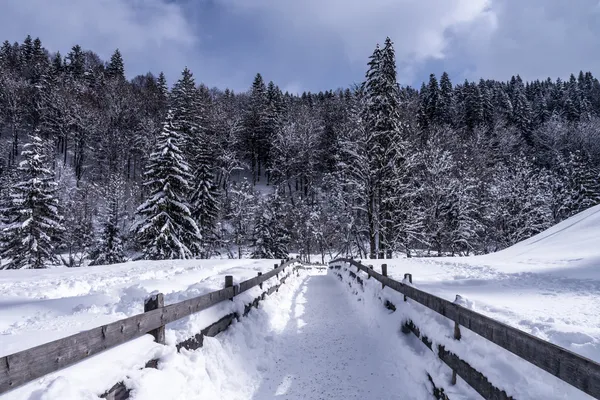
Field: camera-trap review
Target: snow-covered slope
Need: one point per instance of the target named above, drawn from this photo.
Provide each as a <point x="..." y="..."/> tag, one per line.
<point x="548" y="285"/>
<point x="571" y="248"/>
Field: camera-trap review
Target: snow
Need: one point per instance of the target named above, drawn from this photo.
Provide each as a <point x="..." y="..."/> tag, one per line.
<point x="316" y="337"/>
<point x="506" y="371"/>
<point x="548" y="285"/>
<point x="38" y="306"/>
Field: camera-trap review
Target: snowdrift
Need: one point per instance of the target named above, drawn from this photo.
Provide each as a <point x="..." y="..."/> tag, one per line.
<point x="547" y="285"/>
<point x="571" y="247"/>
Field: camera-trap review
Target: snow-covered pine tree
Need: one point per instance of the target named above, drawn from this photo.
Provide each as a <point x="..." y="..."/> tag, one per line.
<point x="446" y="107"/>
<point x="523" y="116"/>
<point x="109" y="249"/>
<point x="187" y="110"/>
<point x="256" y="127"/>
<point x="204" y="199"/>
<point x="385" y="146"/>
<point x="241" y="208"/>
<point x="581" y="185"/>
<point x="432" y="102"/>
<point x="165" y="228"/>
<point x="34" y="219"/>
<point x="263" y="235"/>
<point x="78" y="209"/>
<point x="270" y="237"/>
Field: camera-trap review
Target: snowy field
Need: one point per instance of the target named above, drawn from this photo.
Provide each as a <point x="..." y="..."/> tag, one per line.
<point x="548" y="285"/>
<point x="312" y="339"/>
<point x="39" y="306"/>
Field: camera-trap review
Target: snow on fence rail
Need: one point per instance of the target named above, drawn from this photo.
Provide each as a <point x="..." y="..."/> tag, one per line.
<point x="576" y="370"/>
<point x="27" y="365"/>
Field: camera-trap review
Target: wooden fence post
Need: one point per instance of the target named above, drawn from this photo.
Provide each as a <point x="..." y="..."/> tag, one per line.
<point x="370" y="267"/>
<point x="457" y="336"/>
<point x="275" y="267"/>
<point x="229" y="283"/>
<point x="152" y="303"/>
<point x="383" y="272"/>
<point x="260" y="284"/>
<point x="409" y="277"/>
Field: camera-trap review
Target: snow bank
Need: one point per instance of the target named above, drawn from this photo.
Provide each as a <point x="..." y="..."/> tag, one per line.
<point x="503" y="369"/>
<point x="548" y="285"/>
<point x="33" y="312"/>
<point x="38" y="306"/>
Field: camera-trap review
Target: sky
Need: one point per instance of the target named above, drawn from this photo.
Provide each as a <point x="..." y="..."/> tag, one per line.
<point x="313" y="45"/>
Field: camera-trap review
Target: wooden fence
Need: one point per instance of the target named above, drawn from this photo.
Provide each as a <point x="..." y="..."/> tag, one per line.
<point x="27" y="365"/>
<point x="576" y="370"/>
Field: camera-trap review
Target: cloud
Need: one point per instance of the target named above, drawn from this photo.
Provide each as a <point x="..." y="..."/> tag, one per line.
<point x="536" y="39"/>
<point x="418" y="28"/>
<point x="315" y="44"/>
<point x="151" y="34"/>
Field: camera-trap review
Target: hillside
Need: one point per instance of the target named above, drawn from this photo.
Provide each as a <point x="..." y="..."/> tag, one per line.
<point x="548" y="285"/>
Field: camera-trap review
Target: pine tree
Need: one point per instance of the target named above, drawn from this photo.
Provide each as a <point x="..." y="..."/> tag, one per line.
<point x="270" y="238"/>
<point x="204" y="202"/>
<point x="109" y="249"/>
<point x="35" y="222"/>
<point x="488" y="107"/>
<point x="187" y="109"/>
<point x="446" y="108"/>
<point x="76" y="62"/>
<point x="522" y="116"/>
<point x="256" y="127"/>
<point x="241" y="209"/>
<point x="473" y="106"/>
<point x="432" y="102"/>
<point x="383" y="142"/>
<point x="165" y="228"/>
<point x="115" y="68"/>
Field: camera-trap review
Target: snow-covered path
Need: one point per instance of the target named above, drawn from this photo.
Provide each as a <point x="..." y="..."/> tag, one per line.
<point x="328" y="352"/>
<point x="313" y="339"/>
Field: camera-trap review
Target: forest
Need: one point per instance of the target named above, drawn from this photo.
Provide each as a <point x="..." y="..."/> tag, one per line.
<point x="97" y="169"/>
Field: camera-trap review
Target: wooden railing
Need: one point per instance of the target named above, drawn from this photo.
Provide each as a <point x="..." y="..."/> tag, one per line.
<point x="27" y="365"/>
<point x="576" y="370"/>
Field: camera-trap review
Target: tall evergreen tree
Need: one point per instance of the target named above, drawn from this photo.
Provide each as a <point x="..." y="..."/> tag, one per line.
<point x="29" y="238"/>
<point x="204" y="202"/>
<point x="116" y="68"/>
<point x="110" y="249"/>
<point x="384" y="143"/>
<point x="446" y="108"/>
<point x="165" y="228"/>
<point x="187" y="110"/>
<point x="256" y="127"/>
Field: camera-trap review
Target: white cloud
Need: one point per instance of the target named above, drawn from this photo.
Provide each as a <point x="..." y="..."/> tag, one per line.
<point x="417" y="27"/>
<point x="536" y="39"/>
<point x="151" y="34"/>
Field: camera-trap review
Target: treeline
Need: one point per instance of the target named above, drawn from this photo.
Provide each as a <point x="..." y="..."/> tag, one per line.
<point x="97" y="168"/>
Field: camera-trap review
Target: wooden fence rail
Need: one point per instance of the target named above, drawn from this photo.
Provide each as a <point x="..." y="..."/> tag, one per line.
<point x="576" y="370"/>
<point x="27" y="365"/>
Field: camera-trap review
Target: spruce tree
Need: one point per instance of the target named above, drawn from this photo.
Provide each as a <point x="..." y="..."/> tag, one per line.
<point x="165" y="228"/>
<point x="204" y="202"/>
<point x="446" y="100"/>
<point x="522" y="116"/>
<point x="109" y="249"/>
<point x="34" y="219"/>
<point x="256" y="127"/>
<point x="187" y="109"/>
<point x="270" y="237"/>
<point x="115" y="68"/>
<point x="240" y="211"/>
<point x="432" y="102"/>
